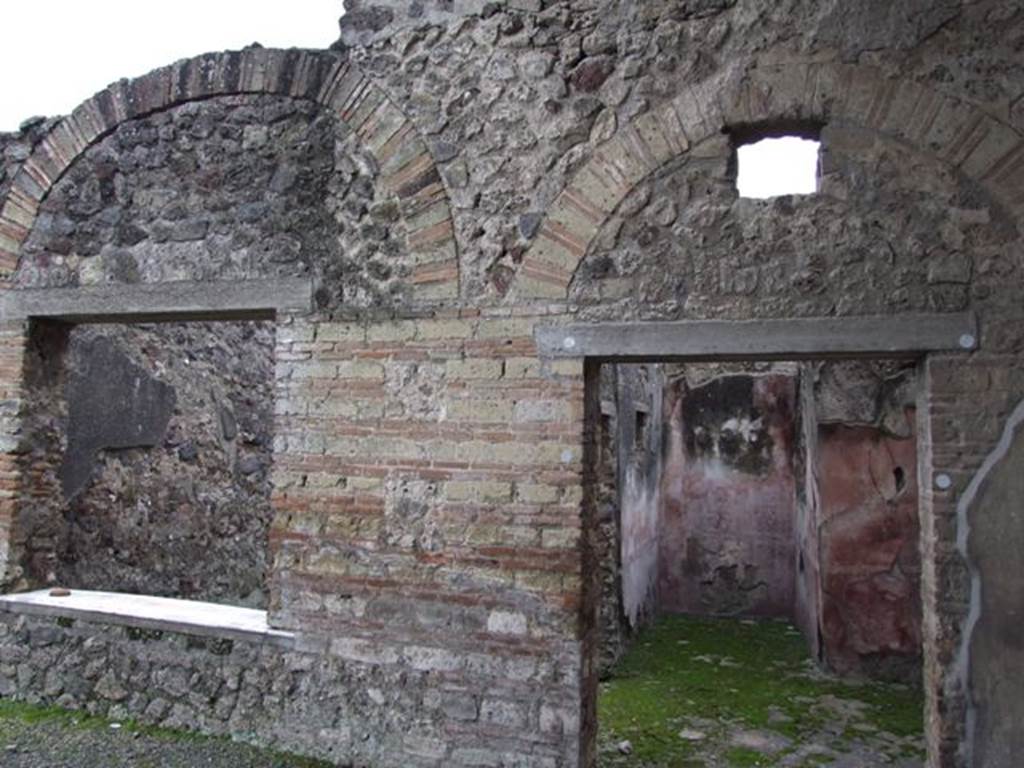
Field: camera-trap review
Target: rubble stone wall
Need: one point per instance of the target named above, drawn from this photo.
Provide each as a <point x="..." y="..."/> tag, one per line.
<point x="294" y="700"/>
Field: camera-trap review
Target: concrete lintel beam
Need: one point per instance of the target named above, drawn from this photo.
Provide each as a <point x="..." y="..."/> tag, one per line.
<point x="893" y="336"/>
<point x="162" y="302"/>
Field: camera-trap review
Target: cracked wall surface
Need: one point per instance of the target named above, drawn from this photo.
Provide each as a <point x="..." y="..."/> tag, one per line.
<point x="867" y="518"/>
<point x="870" y="558"/>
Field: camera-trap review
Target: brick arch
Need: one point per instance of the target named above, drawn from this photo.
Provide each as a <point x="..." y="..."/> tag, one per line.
<point x="959" y="134"/>
<point x="407" y="168"/>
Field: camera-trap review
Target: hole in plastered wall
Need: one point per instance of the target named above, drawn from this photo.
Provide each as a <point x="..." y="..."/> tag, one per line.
<point x="640" y="433"/>
<point x="785" y="165"/>
<point x="900" y="478"/>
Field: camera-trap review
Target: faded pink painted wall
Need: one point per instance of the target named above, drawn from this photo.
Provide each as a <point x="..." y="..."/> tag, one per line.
<point x="640" y="399"/>
<point x="870" y="556"/>
<point x="729" y="494"/>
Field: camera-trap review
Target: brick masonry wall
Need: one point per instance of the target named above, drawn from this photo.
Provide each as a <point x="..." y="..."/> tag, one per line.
<point x="12" y="355"/>
<point x="968" y="405"/>
<point x="427" y="484"/>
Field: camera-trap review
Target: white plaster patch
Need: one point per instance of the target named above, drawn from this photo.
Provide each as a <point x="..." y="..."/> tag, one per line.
<point x="506" y="623"/>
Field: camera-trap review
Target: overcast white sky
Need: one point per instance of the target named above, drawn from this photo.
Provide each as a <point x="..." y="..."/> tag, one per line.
<point x="784" y="166"/>
<point x="57" y="53"/>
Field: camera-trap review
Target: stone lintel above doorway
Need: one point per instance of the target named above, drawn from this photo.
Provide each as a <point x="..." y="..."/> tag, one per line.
<point x="894" y="336"/>
<point x="155" y="302"/>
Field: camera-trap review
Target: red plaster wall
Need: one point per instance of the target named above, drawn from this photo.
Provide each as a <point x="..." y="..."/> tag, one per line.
<point x="870" y="556"/>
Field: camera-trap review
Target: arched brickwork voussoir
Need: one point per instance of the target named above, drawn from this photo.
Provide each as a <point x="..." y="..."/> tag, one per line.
<point x="406" y="166"/>
<point x="983" y="148"/>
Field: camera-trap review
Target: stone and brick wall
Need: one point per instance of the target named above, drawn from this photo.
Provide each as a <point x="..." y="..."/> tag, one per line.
<point x="12" y="358"/>
<point x="156" y="118"/>
<point x="547" y="160"/>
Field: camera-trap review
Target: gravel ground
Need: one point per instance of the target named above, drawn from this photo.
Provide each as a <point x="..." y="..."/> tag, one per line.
<point x="31" y="738"/>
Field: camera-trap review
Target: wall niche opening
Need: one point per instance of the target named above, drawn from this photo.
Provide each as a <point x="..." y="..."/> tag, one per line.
<point x="147" y="460"/>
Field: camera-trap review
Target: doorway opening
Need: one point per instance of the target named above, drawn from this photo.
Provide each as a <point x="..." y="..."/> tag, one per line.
<point x="766" y="608"/>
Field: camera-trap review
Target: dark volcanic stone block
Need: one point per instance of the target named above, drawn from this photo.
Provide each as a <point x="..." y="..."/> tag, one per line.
<point x="112" y="403"/>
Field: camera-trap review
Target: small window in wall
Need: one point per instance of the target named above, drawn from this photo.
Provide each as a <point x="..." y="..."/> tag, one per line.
<point x="771" y="167"/>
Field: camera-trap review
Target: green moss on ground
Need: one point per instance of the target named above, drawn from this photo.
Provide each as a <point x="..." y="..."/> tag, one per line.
<point x="32" y="714"/>
<point x="723" y="675"/>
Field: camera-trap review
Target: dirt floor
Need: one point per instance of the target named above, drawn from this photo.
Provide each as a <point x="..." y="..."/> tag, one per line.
<point x="33" y="737"/>
<point x="703" y="693"/>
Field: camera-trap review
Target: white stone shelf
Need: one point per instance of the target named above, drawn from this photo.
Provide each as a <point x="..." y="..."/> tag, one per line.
<point x="145" y="612"/>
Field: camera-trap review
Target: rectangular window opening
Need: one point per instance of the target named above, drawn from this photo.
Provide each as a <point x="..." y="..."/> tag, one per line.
<point x="776" y="166"/>
<point x="147" y="456"/>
